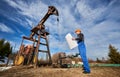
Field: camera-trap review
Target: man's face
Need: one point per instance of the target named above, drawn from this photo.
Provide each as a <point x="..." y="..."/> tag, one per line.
<point x="78" y="32"/>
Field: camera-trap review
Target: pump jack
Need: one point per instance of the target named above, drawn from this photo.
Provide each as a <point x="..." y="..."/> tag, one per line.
<point x="40" y="32"/>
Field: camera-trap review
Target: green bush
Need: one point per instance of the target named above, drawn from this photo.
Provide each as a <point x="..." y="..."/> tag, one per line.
<point x="5" y="49"/>
<point x="114" y="55"/>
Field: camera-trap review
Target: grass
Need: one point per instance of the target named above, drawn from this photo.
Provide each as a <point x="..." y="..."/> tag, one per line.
<point x="20" y="71"/>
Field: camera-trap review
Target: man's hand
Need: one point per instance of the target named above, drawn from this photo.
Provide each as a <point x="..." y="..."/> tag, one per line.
<point x="73" y="38"/>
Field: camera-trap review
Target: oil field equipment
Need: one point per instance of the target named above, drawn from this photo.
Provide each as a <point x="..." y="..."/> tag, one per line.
<point x="29" y="54"/>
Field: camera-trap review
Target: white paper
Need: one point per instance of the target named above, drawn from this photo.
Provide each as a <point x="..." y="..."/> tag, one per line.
<point x="72" y="43"/>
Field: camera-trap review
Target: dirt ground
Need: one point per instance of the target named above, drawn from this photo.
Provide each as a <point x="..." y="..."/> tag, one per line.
<point x="19" y="71"/>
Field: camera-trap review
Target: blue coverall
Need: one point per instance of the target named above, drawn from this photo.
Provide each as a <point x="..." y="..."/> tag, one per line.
<point x="82" y="51"/>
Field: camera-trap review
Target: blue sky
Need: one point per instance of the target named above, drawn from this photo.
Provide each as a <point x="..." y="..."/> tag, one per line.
<point x="99" y="20"/>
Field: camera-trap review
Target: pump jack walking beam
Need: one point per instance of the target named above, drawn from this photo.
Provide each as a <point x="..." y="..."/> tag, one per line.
<point x="51" y="11"/>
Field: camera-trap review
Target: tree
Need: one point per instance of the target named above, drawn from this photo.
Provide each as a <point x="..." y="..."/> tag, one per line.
<point x="5" y="49"/>
<point x="98" y="60"/>
<point x="114" y="55"/>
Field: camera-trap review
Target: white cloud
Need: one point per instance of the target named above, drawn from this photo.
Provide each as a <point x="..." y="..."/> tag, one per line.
<point x="5" y="28"/>
<point x="12" y="3"/>
<point x="97" y="36"/>
<point x="87" y="13"/>
<point x="34" y="11"/>
<point x="100" y="36"/>
<point x="67" y="24"/>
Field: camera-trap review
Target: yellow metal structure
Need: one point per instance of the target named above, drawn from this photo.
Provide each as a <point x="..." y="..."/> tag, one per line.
<point x="19" y="60"/>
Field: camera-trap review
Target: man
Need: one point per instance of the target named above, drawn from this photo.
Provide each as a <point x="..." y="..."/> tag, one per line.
<point x="82" y="50"/>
